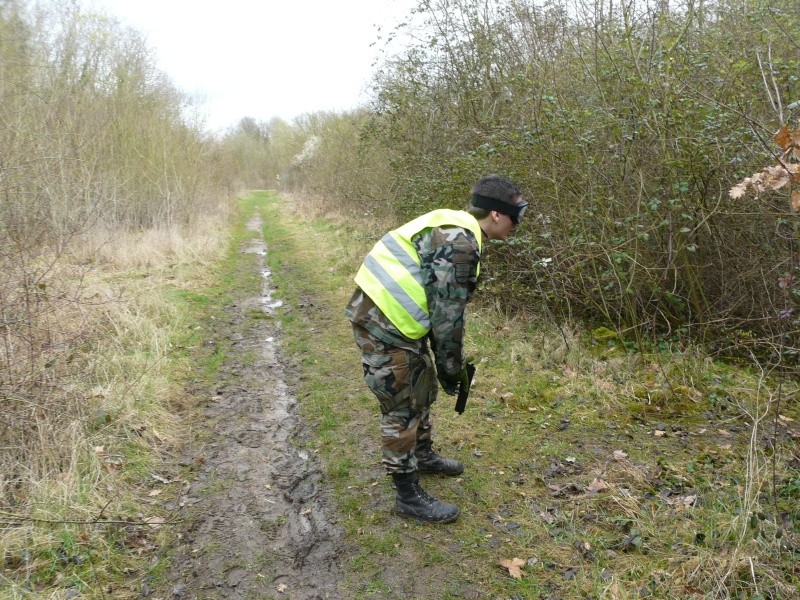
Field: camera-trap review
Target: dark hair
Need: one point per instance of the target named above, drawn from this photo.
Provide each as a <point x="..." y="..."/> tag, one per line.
<point x="494" y="186"/>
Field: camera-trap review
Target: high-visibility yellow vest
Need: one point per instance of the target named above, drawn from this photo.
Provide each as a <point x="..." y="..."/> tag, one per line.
<point x="391" y="275"/>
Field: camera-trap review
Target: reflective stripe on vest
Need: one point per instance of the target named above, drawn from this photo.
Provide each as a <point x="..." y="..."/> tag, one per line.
<point x="391" y="275"/>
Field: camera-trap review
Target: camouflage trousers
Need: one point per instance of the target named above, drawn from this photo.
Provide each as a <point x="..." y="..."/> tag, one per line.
<point x="405" y="384"/>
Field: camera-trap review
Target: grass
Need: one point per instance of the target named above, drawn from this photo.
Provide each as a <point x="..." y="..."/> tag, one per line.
<point x="110" y="423"/>
<point x="678" y="444"/>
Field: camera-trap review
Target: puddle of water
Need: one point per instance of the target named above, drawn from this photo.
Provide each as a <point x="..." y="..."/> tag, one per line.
<point x="271" y="304"/>
<point x="259" y="248"/>
<point x="305" y="524"/>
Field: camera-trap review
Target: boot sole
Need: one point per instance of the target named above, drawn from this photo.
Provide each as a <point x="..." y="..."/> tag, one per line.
<point x="424" y="520"/>
<point x="442" y="473"/>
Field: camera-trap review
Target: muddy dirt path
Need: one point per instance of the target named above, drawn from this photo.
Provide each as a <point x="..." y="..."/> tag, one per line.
<point x="260" y="522"/>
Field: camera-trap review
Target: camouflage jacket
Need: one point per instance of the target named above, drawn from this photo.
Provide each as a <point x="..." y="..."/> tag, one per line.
<point x="449" y="258"/>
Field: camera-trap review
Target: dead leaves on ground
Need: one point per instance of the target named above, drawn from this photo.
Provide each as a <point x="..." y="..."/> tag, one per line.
<point x="571" y="489"/>
<point x="513" y="566"/>
<point x="597" y="485"/>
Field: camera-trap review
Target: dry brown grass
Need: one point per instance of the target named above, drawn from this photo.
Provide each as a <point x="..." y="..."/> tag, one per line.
<point x="90" y="384"/>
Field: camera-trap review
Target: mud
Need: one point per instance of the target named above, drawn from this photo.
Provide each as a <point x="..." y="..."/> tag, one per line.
<point x="259" y="521"/>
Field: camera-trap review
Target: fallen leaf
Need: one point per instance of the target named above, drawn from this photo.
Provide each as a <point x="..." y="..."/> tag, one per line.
<point x="547" y="517"/>
<point x="569" y="489"/>
<point x="598" y="485"/>
<point x="100" y="451"/>
<point x="477" y="452"/>
<point x="155" y="522"/>
<point x="619" y="455"/>
<point x="154" y="492"/>
<point x="633" y="541"/>
<point x="785" y="418"/>
<point x="681" y="500"/>
<point x="724" y="433"/>
<point x="514" y="567"/>
<point x="606" y="386"/>
<point x="659" y="433"/>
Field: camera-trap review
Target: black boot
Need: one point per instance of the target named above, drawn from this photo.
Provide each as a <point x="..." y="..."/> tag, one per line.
<point x="430" y="462"/>
<point x="413" y="501"/>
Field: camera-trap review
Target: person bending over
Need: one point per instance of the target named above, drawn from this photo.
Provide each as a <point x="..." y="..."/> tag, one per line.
<point x="412" y="291"/>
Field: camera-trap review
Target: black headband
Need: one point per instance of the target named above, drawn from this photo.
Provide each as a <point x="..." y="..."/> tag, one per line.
<point x="514" y="211"/>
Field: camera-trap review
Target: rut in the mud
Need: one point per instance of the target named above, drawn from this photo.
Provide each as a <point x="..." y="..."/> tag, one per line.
<point x="263" y="526"/>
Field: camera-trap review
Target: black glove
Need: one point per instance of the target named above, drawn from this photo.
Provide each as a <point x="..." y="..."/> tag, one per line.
<point x="452" y="383"/>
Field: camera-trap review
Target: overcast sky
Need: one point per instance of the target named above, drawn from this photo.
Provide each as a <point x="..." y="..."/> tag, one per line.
<point x="264" y="58"/>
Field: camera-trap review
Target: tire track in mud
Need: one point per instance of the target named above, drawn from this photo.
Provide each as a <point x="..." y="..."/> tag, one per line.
<point x="261" y="523"/>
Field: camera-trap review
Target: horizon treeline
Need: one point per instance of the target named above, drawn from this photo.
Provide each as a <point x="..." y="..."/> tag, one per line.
<point x="626" y="123"/>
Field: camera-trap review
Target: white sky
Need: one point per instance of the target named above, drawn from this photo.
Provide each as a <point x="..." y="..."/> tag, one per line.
<point x="264" y="58"/>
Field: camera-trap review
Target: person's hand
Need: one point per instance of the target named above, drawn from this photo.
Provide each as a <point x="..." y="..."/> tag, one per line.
<point x="452" y="383"/>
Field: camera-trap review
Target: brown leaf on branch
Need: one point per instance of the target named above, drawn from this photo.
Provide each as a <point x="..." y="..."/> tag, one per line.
<point x="514" y="567"/>
<point x="788" y="140"/>
<point x="783" y="137"/>
<point x="777" y="177"/>
<point x="771" y="178"/>
<point x="738" y="191"/>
